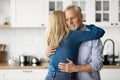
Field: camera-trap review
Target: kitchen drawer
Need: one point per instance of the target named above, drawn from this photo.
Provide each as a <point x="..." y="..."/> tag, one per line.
<point x="23" y="74"/>
<point x="2" y="74"/>
<point x="110" y="74"/>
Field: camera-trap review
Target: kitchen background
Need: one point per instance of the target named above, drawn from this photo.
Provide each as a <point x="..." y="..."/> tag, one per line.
<point x="23" y="24"/>
<point x="18" y="41"/>
<point x="31" y="41"/>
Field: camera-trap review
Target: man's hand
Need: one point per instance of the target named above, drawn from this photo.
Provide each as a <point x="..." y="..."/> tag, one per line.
<point x="49" y="51"/>
<point x="67" y="67"/>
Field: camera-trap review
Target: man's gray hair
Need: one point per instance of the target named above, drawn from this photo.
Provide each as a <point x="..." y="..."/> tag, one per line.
<point x="75" y="7"/>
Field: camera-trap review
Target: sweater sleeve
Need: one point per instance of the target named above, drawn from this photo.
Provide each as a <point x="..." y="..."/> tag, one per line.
<point x="94" y="33"/>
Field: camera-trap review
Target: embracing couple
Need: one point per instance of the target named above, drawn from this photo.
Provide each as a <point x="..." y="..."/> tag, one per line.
<point x="74" y="49"/>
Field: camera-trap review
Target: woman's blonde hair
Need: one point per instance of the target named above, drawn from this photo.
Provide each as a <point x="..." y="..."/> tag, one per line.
<point x="56" y="29"/>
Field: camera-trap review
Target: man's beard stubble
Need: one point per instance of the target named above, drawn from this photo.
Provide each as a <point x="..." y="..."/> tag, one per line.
<point x="74" y="27"/>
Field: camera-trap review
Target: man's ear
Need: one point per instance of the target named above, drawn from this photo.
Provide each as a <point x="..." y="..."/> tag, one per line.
<point x="81" y="16"/>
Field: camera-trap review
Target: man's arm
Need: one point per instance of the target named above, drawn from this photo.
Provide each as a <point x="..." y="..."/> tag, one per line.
<point x="95" y="64"/>
<point x="97" y="55"/>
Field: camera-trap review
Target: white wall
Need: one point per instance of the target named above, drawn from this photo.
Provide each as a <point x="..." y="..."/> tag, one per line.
<point x="4" y="11"/>
<point x="114" y="34"/>
<point x="31" y="40"/>
<point x="23" y="41"/>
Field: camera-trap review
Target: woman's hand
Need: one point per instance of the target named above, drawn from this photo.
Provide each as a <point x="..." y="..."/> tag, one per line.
<point x="49" y="51"/>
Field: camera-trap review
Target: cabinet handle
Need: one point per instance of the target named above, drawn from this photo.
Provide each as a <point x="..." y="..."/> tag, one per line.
<point x="42" y="25"/>
<point x="27" y="71"/>
<point x="111" y="23"/>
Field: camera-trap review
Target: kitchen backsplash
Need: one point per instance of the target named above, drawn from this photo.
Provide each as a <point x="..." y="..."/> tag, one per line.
<point x="30" y="41"/>
<point x="114" y="34"/>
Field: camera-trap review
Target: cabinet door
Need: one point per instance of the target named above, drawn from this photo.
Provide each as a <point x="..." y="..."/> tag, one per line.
<point x="22" y="74"/>
<point x="110" y="74"/>
<point x="2" y="75"/>
<point x="101" y="11"/>
<point x="28" y="13"/>
<point x="105" y="13"/>
<point x="116" y="14"/>
<point x="5" y="13"/>
<point x="25" y="74"/>
<point x="43" y="73"/>
<point x="55" y="5"/>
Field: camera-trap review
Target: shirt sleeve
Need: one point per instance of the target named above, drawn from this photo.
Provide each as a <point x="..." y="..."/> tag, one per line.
<point x="97" y="55"/>
<point x="94" y="33"/>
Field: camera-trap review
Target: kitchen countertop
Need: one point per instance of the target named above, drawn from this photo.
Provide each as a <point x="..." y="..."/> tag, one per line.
<point x="44" y="66"/>
<point x="5" y="26"/>
<point x="111" y="67"/>
<point x="7" y="66"/>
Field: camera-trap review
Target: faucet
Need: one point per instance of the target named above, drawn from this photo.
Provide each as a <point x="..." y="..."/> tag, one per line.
<point x="113" y="56"/>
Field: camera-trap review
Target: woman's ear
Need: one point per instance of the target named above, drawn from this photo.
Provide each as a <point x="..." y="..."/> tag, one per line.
<point x="80" y="17"/>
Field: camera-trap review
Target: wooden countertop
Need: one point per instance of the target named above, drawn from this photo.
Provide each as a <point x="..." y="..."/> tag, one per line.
<point x="7" y="66"/>
<point x="5" y="26"/>
<point x="111" y="67"/>
<point x="44" y="66"/>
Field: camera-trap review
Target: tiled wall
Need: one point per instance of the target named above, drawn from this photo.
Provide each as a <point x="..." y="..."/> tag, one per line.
<point x="114" y="34"/>
<point x="20" y="41"/>
<point x="31" y="40"/>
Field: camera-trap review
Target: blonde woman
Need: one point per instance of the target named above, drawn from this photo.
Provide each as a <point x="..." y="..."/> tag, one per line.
<point x="66" y="43"/>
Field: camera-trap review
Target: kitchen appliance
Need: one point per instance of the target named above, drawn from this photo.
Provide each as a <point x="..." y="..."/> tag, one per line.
<point x="24" y="60"/>
<point x="29" y="60"/>
<point x="35" y="61"/>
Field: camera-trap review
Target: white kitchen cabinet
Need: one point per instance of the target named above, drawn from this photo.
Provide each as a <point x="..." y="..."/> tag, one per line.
<point x="5" y="13"/>
<point x="110" y="74"/>
<point x="23" y="74"/>
<point x="1" y="75"/>
<point x="58" y="4"/>
<point x="105" y="13"/>
<point x="62" y="4"/>
<point x="29" y="13"/>
<point x="55" y="5"/>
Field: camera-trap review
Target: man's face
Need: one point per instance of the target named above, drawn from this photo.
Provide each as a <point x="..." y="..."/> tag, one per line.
<point x="73" y="19"/>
